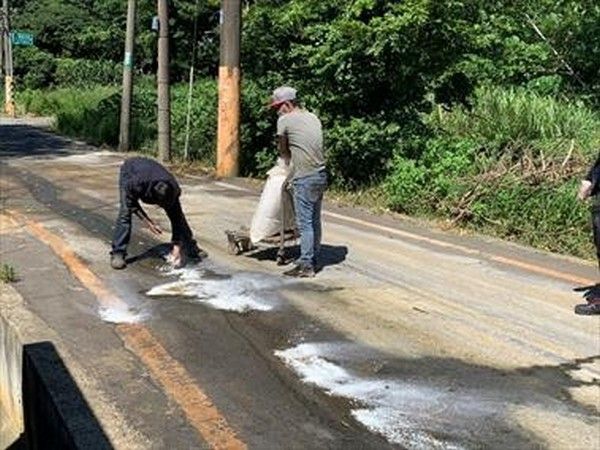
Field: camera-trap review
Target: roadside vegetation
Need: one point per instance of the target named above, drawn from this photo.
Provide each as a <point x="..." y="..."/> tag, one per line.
<point x="454" y="110"/>
<point x="7" y="273"/>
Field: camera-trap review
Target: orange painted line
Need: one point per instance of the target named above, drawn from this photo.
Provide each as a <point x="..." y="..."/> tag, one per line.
<point x="199" y="410"/>
<point x="397" y="232"/>
<point x="542" y="270"/>
<point x="72" y="261"/>
<point x="197" y="406"/>
<point x="500" y="259"/>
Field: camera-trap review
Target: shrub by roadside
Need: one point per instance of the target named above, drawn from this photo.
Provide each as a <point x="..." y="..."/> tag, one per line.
<point x="509" y="164"/>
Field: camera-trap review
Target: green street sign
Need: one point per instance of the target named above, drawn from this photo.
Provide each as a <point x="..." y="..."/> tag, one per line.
<point x="21" y="38"/>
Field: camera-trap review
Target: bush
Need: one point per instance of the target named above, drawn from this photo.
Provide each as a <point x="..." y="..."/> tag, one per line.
<point x="34" y="68"/>
<point x="358" y="151"/>
<point x="203" y="125"/>
<point x="434" y="180"/>
<point x="86" y="72"/>
<point x="93" y="114"/>
<point x="405" y="184"/>
<point x="546" y="215"/>
<point x="502" y="166"/>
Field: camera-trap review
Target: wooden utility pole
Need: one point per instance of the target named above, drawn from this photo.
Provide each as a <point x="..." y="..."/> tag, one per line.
<point x="9" y="104"/>
<point x="228" y="133"/>
<point x="164" y="108"/>
<point x="126" y="96"/>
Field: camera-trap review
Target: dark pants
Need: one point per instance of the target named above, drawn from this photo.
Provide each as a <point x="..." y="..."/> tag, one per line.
<point x="596" y="229"/>
<point x="181" y="232"/>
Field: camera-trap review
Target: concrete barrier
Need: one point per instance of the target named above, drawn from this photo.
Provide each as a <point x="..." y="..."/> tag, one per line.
<point x="11" y="407"/>
<point x="41" y="406"/>
<point x="56" y="415"/>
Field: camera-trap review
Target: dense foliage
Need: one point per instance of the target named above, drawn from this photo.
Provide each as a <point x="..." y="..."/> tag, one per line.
<point x="483" y="111"/>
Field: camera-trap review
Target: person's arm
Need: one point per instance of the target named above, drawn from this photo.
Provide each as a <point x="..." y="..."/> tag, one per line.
<point x="589" y="184"/>
<point x="154" y="227"/>
<point x="283" y="144"/>
<point x="133" y="204"/>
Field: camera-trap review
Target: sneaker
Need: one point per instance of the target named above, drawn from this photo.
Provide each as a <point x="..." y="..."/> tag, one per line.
<point x="588" y="309"/>
<point x="117" y="261"/>
<point x="300" y="271"/>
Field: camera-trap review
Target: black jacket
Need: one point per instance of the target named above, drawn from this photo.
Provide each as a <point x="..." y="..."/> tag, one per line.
<point x="139" y="176"/>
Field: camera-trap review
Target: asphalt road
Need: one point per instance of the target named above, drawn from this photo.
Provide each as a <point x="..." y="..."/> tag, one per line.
<point x="409" y="337"/>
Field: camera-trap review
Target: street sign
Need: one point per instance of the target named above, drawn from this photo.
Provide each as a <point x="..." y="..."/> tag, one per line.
<point x="21" y="38"/>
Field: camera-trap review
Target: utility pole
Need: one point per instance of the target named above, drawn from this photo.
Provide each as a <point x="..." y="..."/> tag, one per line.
<point x="1" y="45"/>
<point x="164" y="108"/>
<point x="228" y="133"/>
<point x="126" y="96"/>
<point x="9" y="104"/>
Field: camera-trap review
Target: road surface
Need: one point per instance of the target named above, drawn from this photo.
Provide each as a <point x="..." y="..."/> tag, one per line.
<point x="409" y="337"/>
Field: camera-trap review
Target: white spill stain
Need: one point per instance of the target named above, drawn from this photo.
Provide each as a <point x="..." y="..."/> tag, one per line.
<point x="239" y="292"/>
<point x="121" y="314"/>
<point x="405" y="413"/>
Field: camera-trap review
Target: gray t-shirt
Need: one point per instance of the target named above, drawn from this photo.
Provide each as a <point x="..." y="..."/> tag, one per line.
<point x="305" y="137"/>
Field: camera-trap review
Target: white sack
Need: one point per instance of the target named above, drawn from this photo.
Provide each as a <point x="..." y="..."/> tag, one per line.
<point x="268" y="215"/>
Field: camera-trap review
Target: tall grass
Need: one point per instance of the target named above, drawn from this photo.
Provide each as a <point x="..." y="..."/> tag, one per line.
<point x="93" y="115"/>
<point x="509" y="163"/>
<point x="503" y="121"/>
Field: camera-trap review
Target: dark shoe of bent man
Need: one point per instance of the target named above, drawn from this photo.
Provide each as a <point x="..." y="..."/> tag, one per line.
<point x="300" y="271"/>
<point x="146" y="180"/>
<point x="117" y="261"/>
<point x="589" y="309"/>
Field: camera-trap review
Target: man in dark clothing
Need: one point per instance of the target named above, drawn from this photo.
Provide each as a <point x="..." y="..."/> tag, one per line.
<point x="590" y="186"/>
<point x="146" y="180"/>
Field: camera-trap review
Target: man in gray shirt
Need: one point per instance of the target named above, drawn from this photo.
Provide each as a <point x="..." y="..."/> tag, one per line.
<point x="300" y="141"/>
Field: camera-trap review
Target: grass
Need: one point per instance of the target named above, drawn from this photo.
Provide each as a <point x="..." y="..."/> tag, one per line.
<point x="7" y="273"/>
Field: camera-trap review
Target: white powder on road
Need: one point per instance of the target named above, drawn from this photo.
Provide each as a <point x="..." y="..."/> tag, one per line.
<point x="240" y="292"/>
<point x="118" y="314"/>
<point x="408" y="414"/>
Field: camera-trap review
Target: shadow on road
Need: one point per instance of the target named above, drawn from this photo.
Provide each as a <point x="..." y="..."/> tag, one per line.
<point x="330" y="254"/>
<point x="17" y="141"/>
<point x="55" y="412"/>
<point x="158" y="251"/>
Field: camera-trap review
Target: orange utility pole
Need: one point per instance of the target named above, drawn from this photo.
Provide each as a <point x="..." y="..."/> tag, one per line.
<point x="228" y="133"/>
<point x="9" y="103"/>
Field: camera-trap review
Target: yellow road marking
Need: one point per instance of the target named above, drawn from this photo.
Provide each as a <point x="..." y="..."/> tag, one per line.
<point x="201" y="413"/>
<point x="500" y="259"/>
<point x="197" y="406"/>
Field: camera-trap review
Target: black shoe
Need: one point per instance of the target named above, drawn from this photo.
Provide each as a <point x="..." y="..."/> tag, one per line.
<point x="588" y="309"/>
<point x="300" y="271"/>
<point x="192" y="251"/>
<point x="117" y="261"/>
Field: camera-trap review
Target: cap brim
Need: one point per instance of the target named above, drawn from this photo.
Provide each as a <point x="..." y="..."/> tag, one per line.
<point x="276" y="104"/>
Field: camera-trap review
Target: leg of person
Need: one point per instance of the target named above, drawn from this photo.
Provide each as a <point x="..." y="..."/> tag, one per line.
<point x="181" y="231"/>
<point x="122" y="233"/>
<point x="596" y="232"/>
<point x="304" y="220"/>
<point x="592" y="306"/>
<point x="317" y="192"/>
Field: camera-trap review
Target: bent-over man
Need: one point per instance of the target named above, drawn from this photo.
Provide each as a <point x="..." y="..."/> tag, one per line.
<point x="146" y="180"/>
